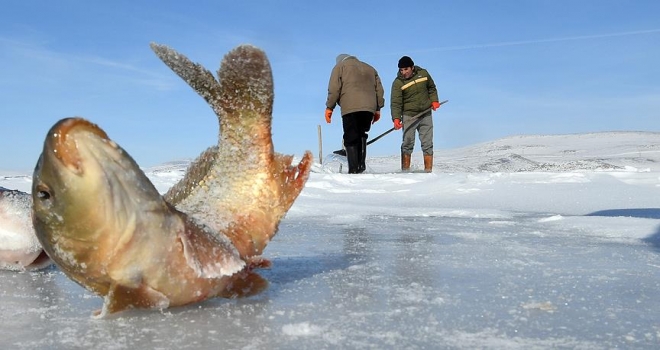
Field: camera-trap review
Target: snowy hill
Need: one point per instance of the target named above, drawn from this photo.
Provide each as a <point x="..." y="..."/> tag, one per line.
<point x="556" y="153"/>
<point x="607" y="151"/>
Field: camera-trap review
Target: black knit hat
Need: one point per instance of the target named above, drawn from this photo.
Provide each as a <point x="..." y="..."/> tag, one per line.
<point x="405" y="62"/>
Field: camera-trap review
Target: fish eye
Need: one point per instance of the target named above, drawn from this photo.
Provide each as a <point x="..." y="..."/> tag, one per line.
<point x="43" y="192"/>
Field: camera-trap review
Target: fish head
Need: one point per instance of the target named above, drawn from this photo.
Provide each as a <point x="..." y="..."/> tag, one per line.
<point x="85" y="192"/>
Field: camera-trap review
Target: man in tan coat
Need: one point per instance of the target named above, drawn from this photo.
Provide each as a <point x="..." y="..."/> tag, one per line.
<point x="355" y="86"/>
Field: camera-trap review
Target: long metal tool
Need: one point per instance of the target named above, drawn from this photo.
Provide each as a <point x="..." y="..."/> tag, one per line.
<point x="342" y="152"/>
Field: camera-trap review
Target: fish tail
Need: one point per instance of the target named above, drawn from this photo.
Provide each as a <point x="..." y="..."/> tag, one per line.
<point x="242" y="97"/>
<point x="244" y="284"/>
<point x="249" y="186"/>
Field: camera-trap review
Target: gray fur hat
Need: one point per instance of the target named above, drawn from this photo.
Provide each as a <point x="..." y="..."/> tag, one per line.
<point x="342" y="57"/>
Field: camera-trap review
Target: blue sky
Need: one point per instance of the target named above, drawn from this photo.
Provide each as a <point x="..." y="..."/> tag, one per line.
<point x="508" y="68"/>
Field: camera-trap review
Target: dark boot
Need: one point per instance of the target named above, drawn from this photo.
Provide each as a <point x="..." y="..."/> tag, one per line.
<point x="353" y="157"/>
<point x="405" y="162"/>
<point x="363" y="155"/>
<point x="428" y="163"/>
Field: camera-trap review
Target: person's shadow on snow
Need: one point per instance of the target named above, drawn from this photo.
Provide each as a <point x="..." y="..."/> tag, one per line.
<point x="644" y="213"/>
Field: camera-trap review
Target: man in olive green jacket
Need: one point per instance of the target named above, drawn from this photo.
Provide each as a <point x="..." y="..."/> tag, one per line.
<point x="413" y="92"/>
<point x="356" y="87"/>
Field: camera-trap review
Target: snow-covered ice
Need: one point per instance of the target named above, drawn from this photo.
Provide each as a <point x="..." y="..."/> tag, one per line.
<point x="528" y="242"/>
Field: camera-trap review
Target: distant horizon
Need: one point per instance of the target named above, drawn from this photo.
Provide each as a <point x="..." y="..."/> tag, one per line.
<point x="186" y="161"/>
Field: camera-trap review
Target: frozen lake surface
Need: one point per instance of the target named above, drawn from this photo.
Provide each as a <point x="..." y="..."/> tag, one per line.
<point x="524" y="243"/>
<point x="386" y="282"/>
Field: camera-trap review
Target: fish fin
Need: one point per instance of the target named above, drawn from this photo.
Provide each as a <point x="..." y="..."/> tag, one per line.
<point x="244" y="284"/>
<point x="195" y="174"/>
<point x="209" y="254"/>
<point x="198" y="77"/>
<point x="292" y="179"/>
<point x="258" y="262"/>
<point x="250" y="233"/>
<point x="120" y="298"/>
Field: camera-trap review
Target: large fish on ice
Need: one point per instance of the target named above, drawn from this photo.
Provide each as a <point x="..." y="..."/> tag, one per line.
<point x="240" y="187"/>
<point x="19" y="247"/>
<point x="103" y="222"/>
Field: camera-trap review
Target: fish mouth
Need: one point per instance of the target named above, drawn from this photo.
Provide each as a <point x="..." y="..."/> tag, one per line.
<point x="65" y="145"/>
<point x="100" y="164"/>
<point x="79" y="160"/>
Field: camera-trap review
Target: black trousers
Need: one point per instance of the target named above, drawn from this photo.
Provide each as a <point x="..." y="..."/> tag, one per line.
<point x="356" y="126"/>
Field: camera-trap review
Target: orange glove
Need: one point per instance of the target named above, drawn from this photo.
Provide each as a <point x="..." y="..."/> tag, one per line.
<point x="435" y="105"/>
<point x="328" y="115"/>
<point x="376" y="117"/>
<point x="397" y="124"/>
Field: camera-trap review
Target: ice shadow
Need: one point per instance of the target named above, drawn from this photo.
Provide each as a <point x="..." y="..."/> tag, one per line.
<point x="287" y="270"/>
<point x="644" y="213"/>
<point x="653" y="239"/>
